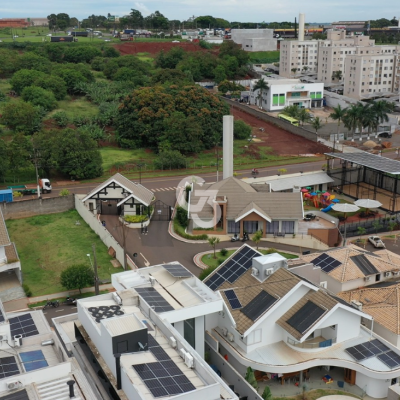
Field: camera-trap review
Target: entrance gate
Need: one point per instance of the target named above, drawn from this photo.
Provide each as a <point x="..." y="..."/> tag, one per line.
<point x="162" y="211"/>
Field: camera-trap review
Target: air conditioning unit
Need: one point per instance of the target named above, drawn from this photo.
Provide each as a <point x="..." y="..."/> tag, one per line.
<point x="386" y="274"/>
<point x="17" y="340"/>
<point x="224" y="331"/>
<point x="3" y="337"/>
<point x="231" y="337"/>
<point x="269" y="271"/>
<point x="116" y="298"/>
<point x="324" y="284"/>
<point x="13" y="385"/>
<point x="189" y="361"/>
<point x="254" y="271"/>
<point x="367" y="278"/>
<point x="152" y="280"/>
<point x="172" y="340"/>
<point x="182" y="353"/>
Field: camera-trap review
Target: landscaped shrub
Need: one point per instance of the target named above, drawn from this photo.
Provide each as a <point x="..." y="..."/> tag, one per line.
<point x="170" y="159"/>
<point x="64" y="192"/>
<point x="224" y="252"/>
<point x="181" y="232"/>
<point x="182" y="216"/>
<point x="27" y="290"/>
<point x="61" y="119"/>
<point x="134" y="219"/>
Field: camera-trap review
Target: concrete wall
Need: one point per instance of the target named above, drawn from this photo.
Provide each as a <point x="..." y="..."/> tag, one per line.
<point x="31" y="207"/>
<point x="239" y="35"/>
<point x="259" y="44"/>
<point x="296" y="130"/>
<point x="328" y="236"/>
<point x="376" y="388"/>
<point x="98" y="228"/>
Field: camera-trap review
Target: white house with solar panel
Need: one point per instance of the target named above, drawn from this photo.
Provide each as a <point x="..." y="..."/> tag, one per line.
<point x="33" y="363"/>
<point x="291" y="331"/>
<point x="146" y="340"/>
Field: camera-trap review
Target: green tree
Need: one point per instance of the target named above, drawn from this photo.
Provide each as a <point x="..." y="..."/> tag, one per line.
<point x="206" y="21"/>
<point x="213" y="241"/>
<point x="19" y="152"/>
<point x="170" y="59"/>
<point x="4" y="161"/>
<point x="337" y="75"/>
<point x="337" y="115"/>
<point x="219" y="73"/>
<point x="157" y="21"/>
<point x="170" y="159"/>
<point x="22" y="117"/>
<point x="392" y="225"/>
<point x="230" y="48"/>
<point x="294" y="70"/>
<point x="250" y="378"/>
<point x="25" y="77"/>
<point x="317" y="124"/>
<point x="266" y="394"/>
<point x="77" y="277"/>
<point x="52" y="18"/>
<point x="291" y="111"/>
<point x="303" y="116"/>
<point x="54" y="84"/>
<point x="361" y="231"/>
<point x="257" y="238"/>
<point x="262" y="86"/>
<point x="377" y="225"/>
<point x="39" y="97"/>
<point x="182" y="216"/>
<point x="171" y="77"/>
<point x="241" y="130"/>
<point x="34" y="61"/>
<point x="63" y="21"/>
<point x="75" y="154"/>
<point x="111" y="52"/>
<point x="82" y="54"/>
<point x="136" y="18"/>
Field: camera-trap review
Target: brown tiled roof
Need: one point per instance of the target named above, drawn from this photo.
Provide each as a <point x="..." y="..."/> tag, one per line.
<point x="319" y="298"/>
<point x="348" y="270"/>
<point x="382" y="303"/>
<point x="251" y="206"/>
<point x="11" y="253"/>
<point x="240" y="194"/>
<point x="247" y="288"/>
<point x="4" y="238"/>
<point x="140" y="192"/>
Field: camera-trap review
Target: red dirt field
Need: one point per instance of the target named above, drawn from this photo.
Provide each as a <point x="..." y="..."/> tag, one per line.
<point x="154" y="47"/>
<point x="281" y="141"/>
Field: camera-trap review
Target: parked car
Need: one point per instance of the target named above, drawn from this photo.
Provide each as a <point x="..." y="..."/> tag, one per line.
<point x="385" y="134"/>
<point x="376" y="241"/>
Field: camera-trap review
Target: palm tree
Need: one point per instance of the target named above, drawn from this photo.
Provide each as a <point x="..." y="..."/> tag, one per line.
<point x="213" y="241"/>
<point x="261" y="85"/>
<point x="317" y="125"/>
<point x="381" y="108"/>
<point x="337" y="75"/>
<point x="291" y="111"/>
<point x="257" y="238"/>
<point x="294" y="70"/>
<point x="303" y="116"/>
<point x="305" y="68"/>
<point x="353" y="114"/>
<point x="369" y="118"/>
<point x="337" y="115"/>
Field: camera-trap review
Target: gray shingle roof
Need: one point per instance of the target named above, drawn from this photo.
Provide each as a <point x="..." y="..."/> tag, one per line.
<point x="240" y="194"/>
<point x="137" y="190"/>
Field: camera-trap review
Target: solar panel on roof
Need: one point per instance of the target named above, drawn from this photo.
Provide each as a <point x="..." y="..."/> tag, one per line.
<point x="326" y="262"/>
<point x="233" y="300"/>
<point x="233" y="269"/>
<point x="177" y="270"/>
<point x="8" y="367"/>
<point x="23" y="325"/>
<point x="261" y="303"/>
<point x="367" y="350"/>
<point x="303" y="319"/>
<point x="33" y="360"/>
<point x="154" y="299"/>
<point x="366" y="267"/>
<point x="391" y="359"/>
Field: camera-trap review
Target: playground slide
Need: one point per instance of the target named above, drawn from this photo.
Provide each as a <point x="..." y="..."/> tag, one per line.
<point x="327" y="208"/>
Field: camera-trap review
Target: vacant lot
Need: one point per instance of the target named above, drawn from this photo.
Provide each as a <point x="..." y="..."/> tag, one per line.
<point x="47" y="244"/>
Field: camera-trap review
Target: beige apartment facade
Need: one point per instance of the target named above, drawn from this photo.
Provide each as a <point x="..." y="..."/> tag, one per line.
<point x="371" y="75"/>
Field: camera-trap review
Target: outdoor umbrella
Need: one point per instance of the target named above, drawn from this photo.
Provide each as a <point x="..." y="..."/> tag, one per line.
<point x="335" y="201"/>
<point x="313" y="194"/>
<point x="308" y="187"/>
<point x="326" y="194"/>
<point x="345" y="208"/>
<point x="368" y="203"/>
<point x="304" y="190"/>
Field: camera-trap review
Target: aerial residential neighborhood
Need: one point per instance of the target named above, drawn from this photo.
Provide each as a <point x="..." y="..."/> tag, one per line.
<point x="199" y="204"/>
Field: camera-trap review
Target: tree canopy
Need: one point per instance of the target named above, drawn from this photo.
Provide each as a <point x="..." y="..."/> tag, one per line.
<point x="77" y="277"/>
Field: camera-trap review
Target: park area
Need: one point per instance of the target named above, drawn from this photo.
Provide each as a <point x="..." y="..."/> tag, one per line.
<point x="48" y="244"/>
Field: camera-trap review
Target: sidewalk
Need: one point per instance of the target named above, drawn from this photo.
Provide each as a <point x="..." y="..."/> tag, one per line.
<point x="22" y="304"/>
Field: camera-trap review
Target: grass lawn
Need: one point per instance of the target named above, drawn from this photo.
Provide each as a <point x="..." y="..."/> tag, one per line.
<point x="113" y="157"/>
<point x="209" y="260"/>
<point x="77" y="107"/>
<point x="47" y="244"/>
<point x="317" y="393"/>
<point x="145" y="57"/>
<point x="264" y="56"/>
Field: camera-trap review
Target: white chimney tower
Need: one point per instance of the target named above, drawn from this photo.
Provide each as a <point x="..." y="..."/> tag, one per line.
<point x="227" y="143"/>
<point x="301" y="27"/>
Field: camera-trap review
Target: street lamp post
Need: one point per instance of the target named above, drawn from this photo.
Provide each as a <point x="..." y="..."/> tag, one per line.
<point x="140" y="166"/>
<point x="94" y="266"/>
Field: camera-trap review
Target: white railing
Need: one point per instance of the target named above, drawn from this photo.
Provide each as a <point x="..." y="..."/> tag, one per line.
<point x="310" y="344"/>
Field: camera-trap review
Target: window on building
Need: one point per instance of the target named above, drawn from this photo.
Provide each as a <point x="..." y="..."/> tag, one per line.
<point x="189" y="331"/>
<point x="288" y="226"/>
<point x="273" y="227"/>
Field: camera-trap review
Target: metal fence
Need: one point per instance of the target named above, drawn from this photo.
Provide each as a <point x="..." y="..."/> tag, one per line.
<point x="372" y="225"/>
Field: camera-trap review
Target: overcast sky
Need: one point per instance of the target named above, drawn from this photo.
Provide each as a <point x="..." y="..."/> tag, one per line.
<point x="232" y="10"/>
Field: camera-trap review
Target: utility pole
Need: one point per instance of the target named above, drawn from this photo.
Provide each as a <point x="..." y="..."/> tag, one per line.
<point x="35" y="160"/>
<point x="96" y="276"/>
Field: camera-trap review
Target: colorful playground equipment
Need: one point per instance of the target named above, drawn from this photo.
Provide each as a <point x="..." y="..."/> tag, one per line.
<point x="320" y="199"/>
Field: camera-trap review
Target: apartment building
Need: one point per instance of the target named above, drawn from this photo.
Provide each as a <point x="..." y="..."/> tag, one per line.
<point x="371" y="72"/>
